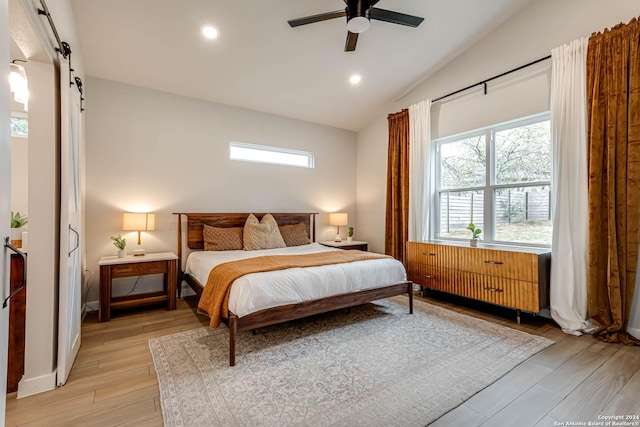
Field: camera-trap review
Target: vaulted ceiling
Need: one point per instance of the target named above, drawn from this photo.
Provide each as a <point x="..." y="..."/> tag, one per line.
<point x="259" y="62"/>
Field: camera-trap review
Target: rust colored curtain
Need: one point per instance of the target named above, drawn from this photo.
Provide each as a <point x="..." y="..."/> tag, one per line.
<point x="397" y="214"/>
<point x="613" y="90"/>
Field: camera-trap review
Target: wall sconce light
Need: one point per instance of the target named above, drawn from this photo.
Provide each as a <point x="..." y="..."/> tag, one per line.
<point x="338" y="219"/>
<point x="19" y="84"/>
<point x="138" y="222"/>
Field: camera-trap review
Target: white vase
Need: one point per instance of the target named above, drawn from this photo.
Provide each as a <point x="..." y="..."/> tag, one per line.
<point x="349" y="239"/>
<point x="473" y="242"/>
<point x="122" y="253"/>
<point x="16" y="237"/>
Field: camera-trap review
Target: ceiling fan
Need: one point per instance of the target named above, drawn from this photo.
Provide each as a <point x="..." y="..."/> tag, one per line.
<point x="359" y="14"/>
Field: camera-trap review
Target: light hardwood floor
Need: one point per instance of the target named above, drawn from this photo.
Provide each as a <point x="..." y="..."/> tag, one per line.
<point x="113" y="381"/>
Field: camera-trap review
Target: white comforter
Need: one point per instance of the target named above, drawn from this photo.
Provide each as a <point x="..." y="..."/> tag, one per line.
<point x="258" y="291"/>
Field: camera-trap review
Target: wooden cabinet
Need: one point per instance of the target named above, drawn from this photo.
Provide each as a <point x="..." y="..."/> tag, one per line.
<point x="346" y="245"/>
<point x="514" y="277"/>
<point x="153" y="263"/>
<point x="17" y="317"/>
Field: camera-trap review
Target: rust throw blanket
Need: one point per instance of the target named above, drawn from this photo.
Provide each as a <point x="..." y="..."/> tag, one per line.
<point x="215" y="297"/>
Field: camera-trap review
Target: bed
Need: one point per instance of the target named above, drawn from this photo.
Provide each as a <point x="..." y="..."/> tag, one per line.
<point x="248" y="309"/>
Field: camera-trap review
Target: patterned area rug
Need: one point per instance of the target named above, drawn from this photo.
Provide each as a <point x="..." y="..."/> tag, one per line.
<point x="376" y="366"/>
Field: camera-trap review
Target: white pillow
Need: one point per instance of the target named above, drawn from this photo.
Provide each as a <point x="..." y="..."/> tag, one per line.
<point x="262" y="235"/>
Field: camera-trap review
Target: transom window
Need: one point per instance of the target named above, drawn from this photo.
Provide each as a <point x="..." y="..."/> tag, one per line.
<point x="499" y="179"/>
<point x="273" y="155"/>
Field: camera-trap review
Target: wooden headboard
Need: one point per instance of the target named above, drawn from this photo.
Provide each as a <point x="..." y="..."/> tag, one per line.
<point x="197" y="221"/>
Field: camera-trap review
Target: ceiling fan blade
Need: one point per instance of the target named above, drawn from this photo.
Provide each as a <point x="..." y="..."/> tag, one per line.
<point x="395" y="17"/>
<point x="352" y="40"/>
<point x="317" y="18"/>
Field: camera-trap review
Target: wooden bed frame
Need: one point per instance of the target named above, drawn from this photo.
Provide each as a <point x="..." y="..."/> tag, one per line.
<point x="271" y="316"/>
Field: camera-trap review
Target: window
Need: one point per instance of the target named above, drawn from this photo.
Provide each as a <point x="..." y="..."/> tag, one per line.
<point x="19" y="126"/>
<point x="498" y="178"/>
<point x="274" y="155"/>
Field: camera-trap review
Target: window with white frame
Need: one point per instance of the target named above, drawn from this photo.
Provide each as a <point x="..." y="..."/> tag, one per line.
<point x="499" y="179"/>
<point x="19" y="125"/>
<point x="273" y="155"/>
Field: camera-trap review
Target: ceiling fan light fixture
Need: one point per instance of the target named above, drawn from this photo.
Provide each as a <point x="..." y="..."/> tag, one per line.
<point x="359" y="14"/>
<point x="19" y="85"/>
<point x="358" y="24"/>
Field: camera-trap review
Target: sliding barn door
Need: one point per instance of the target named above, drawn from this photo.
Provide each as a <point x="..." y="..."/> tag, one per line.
<point x="70" y="286"/>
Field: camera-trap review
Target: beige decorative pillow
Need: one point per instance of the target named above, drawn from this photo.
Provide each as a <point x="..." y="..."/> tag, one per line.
<point x="263" y="234"/>
<point x="295" y="234"/>
<point x="222" y="239"/>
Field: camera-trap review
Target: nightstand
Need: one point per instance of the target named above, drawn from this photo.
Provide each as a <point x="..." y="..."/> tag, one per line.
<point x="112" y="267"/>
<point x="361" y="246"/>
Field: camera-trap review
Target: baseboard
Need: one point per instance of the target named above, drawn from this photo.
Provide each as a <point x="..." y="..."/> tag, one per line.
<point x="186" y="290"/>
<point x="546" y="313"/>
<point x="634" y="331"/>
<point x="31" y="386"/>
<point x="92" y="306"/>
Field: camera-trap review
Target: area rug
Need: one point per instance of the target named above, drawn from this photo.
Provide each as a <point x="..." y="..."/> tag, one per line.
<point x="375" y="365"/>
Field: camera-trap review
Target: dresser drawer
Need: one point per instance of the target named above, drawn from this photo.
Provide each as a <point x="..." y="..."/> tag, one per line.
<point x="499" y="290"/>
<point x="138" y="269"/>
<point x="514" y="265"/>
<point x="431" y="254"/>
<point x="440" y="279"/>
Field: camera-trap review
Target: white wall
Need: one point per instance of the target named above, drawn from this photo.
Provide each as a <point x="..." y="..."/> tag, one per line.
<point x="150" y="150"/>
<point x="372" y="184"/>
<point x="42" y="271"/>
<point x="540" y="27"/>
<point x="19" y="175"/>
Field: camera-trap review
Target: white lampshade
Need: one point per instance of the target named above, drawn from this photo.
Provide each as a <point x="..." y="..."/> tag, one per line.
<point x="138" y="221"/>
<point x="133" y="221"/>
<point x="19" y="84"/>
<point x="358" y="24"/>
<point x="338" y="219"/>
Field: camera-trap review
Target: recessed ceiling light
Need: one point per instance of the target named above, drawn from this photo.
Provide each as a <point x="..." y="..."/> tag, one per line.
<point x="355" y="79"/>
<point x="209" y="31"/>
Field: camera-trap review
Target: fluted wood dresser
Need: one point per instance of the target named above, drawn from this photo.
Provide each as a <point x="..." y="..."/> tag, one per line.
<point x="514" y="277"/>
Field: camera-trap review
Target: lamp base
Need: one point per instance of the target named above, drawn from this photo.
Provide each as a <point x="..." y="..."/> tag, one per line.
<point x="138" y="251"/>
<point x="338" y="238"/>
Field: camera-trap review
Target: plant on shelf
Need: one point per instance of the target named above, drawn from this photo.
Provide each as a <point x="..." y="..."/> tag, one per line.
<point x="18" y="221"/>
<point x="476" y="231"/>
<point x="119" y="242"/>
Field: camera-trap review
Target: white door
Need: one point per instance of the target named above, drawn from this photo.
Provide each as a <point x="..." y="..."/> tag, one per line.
<point x="5" y="198"/>
<point x="70" y="286"/>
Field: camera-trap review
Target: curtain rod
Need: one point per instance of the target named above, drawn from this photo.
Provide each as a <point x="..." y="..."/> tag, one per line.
<point x="484" y="82"/>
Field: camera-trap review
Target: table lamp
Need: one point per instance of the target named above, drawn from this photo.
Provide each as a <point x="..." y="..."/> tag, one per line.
<point x="138" y="222"/>
<point x="338" y="219"/>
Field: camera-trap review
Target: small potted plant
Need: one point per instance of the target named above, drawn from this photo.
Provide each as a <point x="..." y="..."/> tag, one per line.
<point x="350" y="235"/>
<point x="120" y="243"/>
<point x="17" y="222"/>
<point x="476" y="234"/>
